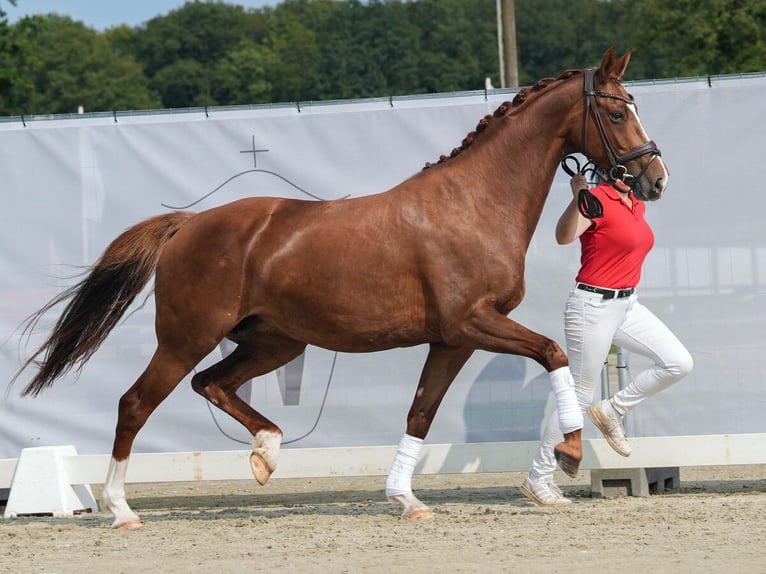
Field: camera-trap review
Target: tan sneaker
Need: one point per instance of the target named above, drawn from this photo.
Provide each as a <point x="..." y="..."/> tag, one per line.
<point x="544" y="492"/>
<point x="610" y="426"/>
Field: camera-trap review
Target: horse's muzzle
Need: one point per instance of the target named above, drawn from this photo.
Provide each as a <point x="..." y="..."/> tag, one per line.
<point x="650" y="183"/>
<point x="647" y="190"/>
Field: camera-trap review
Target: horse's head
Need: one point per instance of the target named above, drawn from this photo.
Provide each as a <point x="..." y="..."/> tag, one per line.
<point x="612" y="134"/>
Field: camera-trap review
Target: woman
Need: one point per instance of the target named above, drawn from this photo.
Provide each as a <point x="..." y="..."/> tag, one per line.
<point x="603" y="309"/>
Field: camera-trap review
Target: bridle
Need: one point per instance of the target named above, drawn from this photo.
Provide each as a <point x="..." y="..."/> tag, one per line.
<point x="618" y="170"/>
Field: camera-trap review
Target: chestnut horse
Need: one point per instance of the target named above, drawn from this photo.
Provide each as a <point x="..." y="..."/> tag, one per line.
<point x="437" y="260"/>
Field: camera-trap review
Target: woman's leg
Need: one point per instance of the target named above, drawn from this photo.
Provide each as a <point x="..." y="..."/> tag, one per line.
<point x="643" y="333"/>
<point x="589" y="324"/>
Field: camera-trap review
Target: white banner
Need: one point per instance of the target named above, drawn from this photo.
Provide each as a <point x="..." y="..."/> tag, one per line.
<point x="72" y="185"/>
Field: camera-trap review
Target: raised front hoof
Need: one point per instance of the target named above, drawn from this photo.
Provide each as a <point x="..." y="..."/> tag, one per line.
<point x="261" y="470"/>
<point x="569" y="453"/>
<point x="569" y="464"/>
<point x="413" y="509"/>
<point x="132" y="524"/>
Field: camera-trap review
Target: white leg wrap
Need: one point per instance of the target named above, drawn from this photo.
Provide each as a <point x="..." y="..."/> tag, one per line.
<point x="570" y="414"/>
<point x="399" y="479"/>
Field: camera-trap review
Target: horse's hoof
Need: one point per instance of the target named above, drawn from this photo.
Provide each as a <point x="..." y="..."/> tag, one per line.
<point x="567" y="463"/>
<point x="569" y="453"/>
<point x="419" y="514"/>
<point x="128" y="525"/>
<point x="261" y="470"/>
<point x="413" y="509"/>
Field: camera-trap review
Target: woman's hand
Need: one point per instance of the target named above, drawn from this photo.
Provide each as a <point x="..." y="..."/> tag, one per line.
<point x="577" y="183"/>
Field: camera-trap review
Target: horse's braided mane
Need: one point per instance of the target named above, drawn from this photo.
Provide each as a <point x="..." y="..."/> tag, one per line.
<point x="503" y="109"/>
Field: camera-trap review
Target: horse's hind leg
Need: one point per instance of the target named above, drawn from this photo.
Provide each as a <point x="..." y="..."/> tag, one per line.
<point x="441" y="367"/>
<point x="219" y="385"/>
<point x="160" y="377"/>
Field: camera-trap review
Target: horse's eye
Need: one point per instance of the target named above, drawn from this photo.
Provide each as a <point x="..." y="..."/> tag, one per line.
<point x="617" y="116"/>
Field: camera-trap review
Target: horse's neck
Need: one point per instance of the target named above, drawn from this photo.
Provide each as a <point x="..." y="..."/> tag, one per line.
<point x="515" y="168"/>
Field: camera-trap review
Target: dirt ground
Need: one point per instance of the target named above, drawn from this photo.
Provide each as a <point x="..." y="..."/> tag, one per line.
<point x="715" y="522"/>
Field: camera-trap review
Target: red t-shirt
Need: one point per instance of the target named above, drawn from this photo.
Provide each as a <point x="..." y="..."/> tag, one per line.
<point x="614" y="247"/>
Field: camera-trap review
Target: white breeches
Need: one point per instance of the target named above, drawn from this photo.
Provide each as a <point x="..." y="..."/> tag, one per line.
<point x="591" y="326"/>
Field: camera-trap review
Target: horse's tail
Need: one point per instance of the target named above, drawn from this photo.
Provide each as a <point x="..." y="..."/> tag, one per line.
<point x="98" y="302"/>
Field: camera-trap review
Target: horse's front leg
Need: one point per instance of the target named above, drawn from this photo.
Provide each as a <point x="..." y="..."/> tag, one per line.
<point x="441" y="368"/>
<point x="488" y="329"/>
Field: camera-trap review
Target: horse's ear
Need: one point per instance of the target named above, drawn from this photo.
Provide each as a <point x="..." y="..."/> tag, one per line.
<point x="612" y="67"/>
<point x="622" y="64"/>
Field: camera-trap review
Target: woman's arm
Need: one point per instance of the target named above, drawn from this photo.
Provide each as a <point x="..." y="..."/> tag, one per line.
<point x="572" y="223"/>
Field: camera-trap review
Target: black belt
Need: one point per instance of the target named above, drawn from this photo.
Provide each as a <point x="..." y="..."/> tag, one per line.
<point x="607" y="293"/>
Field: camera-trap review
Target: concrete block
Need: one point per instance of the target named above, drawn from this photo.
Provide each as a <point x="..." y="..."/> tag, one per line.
<point x="613" y="482"/>
<point x="40" y="485"/>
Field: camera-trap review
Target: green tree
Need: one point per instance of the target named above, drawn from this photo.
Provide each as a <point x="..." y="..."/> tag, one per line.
<point x="295" y="73"/>
<point x="184" y="83"/>
<point x="556" y="35"/>
<point x="61" y="64"/>
<point x="216" y="53"/>
<point x="670" y="39"/>
<point x="200" y="31"/>
<point x="396" y="40"/>
<point x="8" y="53"/>
<point x="701" y="37"/>
<point x="193" y="40"/>
<point x="742" y="38"/>
<point x="241" y="76"/>
<point x="349" y="65"/>
<point x="458" y="45"/>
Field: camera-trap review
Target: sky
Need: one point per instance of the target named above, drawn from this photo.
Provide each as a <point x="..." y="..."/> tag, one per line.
<point x="103" y="14"/>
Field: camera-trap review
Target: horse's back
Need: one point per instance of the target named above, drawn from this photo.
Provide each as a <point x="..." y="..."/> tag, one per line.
<point x="331" y="273"/>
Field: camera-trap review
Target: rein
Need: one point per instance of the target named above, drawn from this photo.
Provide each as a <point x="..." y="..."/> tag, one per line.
<point x="588" y="204"/>
<point x="618" y="171"/>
